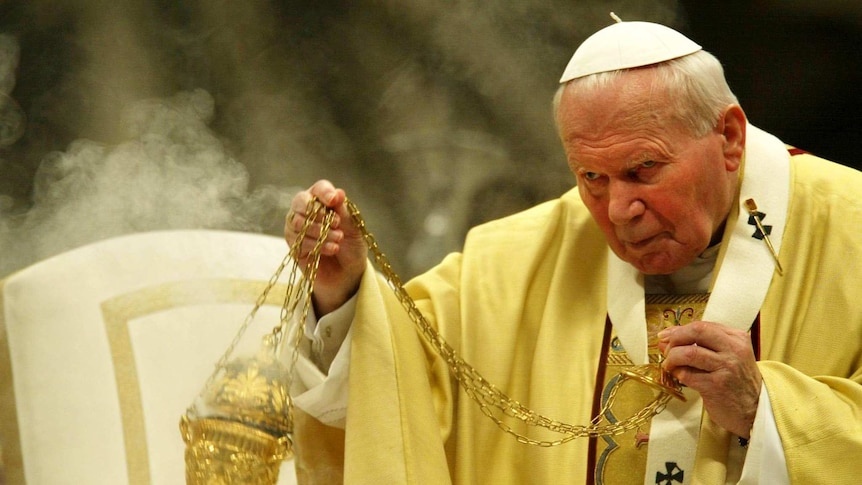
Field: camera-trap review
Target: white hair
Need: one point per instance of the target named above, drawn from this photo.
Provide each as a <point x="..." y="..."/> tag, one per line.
<point x="695" y="84"/>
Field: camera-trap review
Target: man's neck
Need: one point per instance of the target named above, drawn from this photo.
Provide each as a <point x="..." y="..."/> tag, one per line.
<point x="694" y="278"/>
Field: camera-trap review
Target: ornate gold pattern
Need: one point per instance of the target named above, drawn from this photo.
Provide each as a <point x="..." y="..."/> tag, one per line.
<point x="621" y="459"/>
<point x="245" y="432"/>
<point x="252" y="391"/>
<point x="220" y="452"/>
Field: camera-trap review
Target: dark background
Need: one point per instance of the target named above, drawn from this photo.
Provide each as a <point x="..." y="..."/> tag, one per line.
<point x="128" y="116"/>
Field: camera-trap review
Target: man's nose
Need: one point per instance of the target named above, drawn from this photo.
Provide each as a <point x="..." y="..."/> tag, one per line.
<point x="624" y="203"/>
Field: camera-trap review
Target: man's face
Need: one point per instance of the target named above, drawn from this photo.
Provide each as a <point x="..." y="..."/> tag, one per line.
<point x="658" y="194"/>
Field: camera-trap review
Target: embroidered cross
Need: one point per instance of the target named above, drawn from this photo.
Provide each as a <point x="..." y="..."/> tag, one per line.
<point x="751" y="222"/>
<point x="674" y="474"/>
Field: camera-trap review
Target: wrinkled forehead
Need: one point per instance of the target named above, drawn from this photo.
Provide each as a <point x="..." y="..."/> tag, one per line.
<point x="630" y="99"/>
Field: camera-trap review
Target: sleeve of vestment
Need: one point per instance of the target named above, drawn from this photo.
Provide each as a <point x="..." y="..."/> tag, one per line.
<point x="320" y="389"/>
<point x="819" y="421"/>
<point x="812" y="326"/>
<point x="399" y="407"/>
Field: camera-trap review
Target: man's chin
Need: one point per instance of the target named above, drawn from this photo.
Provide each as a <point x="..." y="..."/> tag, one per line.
<point x="654" y="262"/>
<point x="657" y="264"/>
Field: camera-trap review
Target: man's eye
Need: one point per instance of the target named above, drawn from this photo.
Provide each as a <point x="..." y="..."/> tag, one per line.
<point x="590" y="176"/>
<point x="648" y="164"/>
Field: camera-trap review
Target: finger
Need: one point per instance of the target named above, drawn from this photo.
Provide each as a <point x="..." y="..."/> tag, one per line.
<point x="308" y="244"/>
<point x="717" y="337"/>
<point x="334" y="236"/>
<point x="323" y="190"/>
<point x="295" y="220"/>
<point x="693" y="356"/>
<point x="300" y="201"/>
<point x="691" y="377"/>
<point x="327" y="193"/>
<point x="295" y="225"/>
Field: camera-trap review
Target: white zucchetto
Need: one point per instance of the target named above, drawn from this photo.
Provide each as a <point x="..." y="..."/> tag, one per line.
<point x="625" y="45"/>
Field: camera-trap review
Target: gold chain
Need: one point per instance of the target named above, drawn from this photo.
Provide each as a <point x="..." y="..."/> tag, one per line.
<point x="491" y="401"/>
<point x="487" y="396"/>
<point x="293" y="295"/>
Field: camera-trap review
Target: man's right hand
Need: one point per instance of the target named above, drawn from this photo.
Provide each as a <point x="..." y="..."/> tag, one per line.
<point x="342" y="256"/>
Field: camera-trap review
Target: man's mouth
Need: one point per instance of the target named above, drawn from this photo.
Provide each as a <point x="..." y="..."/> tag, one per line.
<point x="643" y="242"/>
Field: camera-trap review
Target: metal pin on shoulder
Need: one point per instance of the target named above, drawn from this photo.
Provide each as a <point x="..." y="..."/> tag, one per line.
<point x="752" y="211"/>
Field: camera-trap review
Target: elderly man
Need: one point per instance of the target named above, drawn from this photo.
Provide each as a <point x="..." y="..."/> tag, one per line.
<point x="693" y="239"/>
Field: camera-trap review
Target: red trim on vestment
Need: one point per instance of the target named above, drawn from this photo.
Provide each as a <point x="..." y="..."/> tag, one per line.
<point x="597" y="400"/>
<point x="755" y="336"/>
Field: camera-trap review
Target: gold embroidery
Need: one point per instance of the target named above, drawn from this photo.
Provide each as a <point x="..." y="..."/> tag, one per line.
<point x="631" y="448"/>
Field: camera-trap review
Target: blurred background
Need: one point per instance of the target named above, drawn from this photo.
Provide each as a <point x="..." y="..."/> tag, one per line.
<point x="134" y="115"/>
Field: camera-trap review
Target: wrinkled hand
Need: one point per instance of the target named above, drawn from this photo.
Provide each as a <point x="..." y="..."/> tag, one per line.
<point x="718" y="362"/>
<point x="343" y="255"/>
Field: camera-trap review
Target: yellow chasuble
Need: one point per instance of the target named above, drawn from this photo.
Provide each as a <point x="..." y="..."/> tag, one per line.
<point x="525" y="304"/>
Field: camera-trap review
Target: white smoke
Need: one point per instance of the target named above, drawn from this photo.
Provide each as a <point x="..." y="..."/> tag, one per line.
<point x="171" y="173"/>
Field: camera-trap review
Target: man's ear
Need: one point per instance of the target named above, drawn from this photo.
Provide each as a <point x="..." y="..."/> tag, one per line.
<point x="731" y="126"/>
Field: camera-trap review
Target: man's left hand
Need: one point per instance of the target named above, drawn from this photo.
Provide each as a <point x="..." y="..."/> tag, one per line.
<point x="718" y="362"/>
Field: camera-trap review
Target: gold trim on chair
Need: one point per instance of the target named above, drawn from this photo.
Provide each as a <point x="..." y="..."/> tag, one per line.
<point x="12" y="470"/>
<point x="120" y="310"/>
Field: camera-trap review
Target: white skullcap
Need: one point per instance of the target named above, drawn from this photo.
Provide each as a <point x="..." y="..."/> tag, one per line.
<point x="625" y="45"/>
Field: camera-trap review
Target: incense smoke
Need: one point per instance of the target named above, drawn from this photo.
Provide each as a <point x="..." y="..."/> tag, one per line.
<point x="171" y="173"/>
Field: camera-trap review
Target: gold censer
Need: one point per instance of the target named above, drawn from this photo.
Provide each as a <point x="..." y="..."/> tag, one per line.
<point x="239" y="430"/>
<point x="244" y="433"/>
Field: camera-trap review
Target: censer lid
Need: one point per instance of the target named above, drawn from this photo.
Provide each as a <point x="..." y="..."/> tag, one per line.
<point x="253" y="391"/>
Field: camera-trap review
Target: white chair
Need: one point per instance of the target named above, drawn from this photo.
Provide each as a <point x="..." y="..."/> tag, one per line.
<point x="103" y="348"/>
